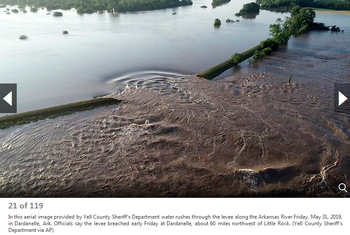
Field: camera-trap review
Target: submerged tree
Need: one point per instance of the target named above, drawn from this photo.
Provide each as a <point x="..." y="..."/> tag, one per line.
<point x="280" y="31"/>
<point x="57" y="13"/>
<point x="237" y="58"/>
<point x="80" y="10"/>
<point x="217" y="22"/>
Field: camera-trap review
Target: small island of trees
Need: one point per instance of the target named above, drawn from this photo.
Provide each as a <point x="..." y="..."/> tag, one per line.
<point x="23" y="37"/>
<point x="57" y="13"/>
<point x="217" y="22"/>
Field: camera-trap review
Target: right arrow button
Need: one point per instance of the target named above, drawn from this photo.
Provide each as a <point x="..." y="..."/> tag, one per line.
<point x="341" y="98"/>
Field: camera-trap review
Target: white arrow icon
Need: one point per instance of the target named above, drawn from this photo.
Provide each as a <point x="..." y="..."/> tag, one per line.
<point x="341" y="98"/>
<point x="8" y="98"/>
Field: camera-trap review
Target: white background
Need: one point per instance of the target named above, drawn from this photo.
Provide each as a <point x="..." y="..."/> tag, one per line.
<point x="186" y="206"/>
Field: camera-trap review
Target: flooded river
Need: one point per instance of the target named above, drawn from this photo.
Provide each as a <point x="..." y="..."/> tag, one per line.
<point x="246" y="133"/>
<point x="104" y="47"/>
<point x="250" y="134"/>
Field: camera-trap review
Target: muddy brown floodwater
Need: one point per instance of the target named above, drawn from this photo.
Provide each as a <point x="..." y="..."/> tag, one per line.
<point x="251" y="134"/>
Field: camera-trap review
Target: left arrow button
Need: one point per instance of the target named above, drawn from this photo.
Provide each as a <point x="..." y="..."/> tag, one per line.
<point x="8" y="98"/>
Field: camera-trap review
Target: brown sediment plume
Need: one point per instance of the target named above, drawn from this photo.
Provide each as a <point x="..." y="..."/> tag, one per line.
<point x="53" y="112"/>
<point x="251" y="134"/>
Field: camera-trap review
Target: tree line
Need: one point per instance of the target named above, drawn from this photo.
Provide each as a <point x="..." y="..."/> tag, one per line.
<point x="333" y="5"/>
<point x="90" y="6"/>
<point x="286" y="5"/>
<point x="216" y="3"/>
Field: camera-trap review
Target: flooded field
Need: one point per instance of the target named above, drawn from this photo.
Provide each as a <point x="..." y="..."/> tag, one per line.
<point x="250" y="134"/>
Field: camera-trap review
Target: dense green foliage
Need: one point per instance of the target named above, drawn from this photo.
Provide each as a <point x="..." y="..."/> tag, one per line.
<point x="237" y="58"/>
<point x="216" y="3"/>
<point x="80" y="10"/>
<point x="57" y="13"/>
<point x="267" y="51"/>
<point x="65" y="32"/>
<point x="23" y="37"/>
<point x="269" y="43"/>
<point x="334" y="28"/>
<point x="266" y="48"/>
<point x="280" y="31"/>
<point x="284" y="4"/>
<point x="319" y="26"/>
<point x="217" y="22"/>
<point x="288" y="4"/>
<point x="249" y="8"/>
<point x="98" y="5"/>
<point x="300" y="21"/>
<point x="89" y="11"/>
<point x="140" y="5"/>
<point x="258" y="54"/>
<point x="335" y="5"/>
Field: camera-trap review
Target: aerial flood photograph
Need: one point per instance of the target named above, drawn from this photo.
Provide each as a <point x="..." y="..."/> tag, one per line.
<point x="175" y="98"/>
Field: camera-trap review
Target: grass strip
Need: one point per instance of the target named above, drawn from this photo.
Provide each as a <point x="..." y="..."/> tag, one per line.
<point x="217" y="69"/>
<point x="53" y="112"/>
<point x="322" y="10"/>
<point x="220" y="68"/>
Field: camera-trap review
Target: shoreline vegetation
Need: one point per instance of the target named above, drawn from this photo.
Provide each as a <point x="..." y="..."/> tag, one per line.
<point x="301" y="21"/>
<point x="287" y="5"/>
<point x="216" y="3"/>
<point x="53" y="112"/>
<point x="91" y="6"/>
<point x="249" y="9"/>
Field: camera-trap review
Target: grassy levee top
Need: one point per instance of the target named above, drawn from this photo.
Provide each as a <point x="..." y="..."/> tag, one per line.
<point x="53" y="112"/>
<point x="300" y="21"/>
<point x="220" y="68"/>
